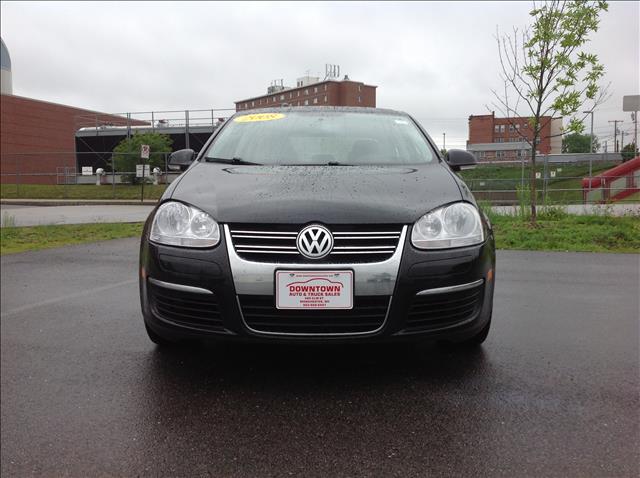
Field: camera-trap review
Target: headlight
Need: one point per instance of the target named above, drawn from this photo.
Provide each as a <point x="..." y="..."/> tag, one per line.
<point x="456" y="225"/>
<point x="177" y="224"/>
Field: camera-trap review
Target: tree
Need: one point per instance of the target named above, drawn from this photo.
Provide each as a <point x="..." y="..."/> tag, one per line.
<point x="579" y="143"/>
<point x="628" y="152"/>
<point x="546" y="70"/>
<point x="127" y="154"/>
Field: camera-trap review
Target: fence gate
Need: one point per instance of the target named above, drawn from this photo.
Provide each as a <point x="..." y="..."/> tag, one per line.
<point x="66" y="175"/>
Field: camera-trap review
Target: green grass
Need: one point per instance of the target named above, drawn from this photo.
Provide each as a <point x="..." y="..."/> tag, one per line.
<point x="508" y="177"/>
<point x="556" y="231"/>
<point x="561" y="232"/>
<point x="79" y="191"/>
<point x="21" y="239"/>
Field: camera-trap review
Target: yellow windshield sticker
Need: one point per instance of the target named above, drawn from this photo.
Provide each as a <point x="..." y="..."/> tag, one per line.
<point x="258" y="117"/>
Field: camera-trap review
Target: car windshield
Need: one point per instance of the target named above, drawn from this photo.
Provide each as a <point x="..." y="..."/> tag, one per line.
<point x="321" y="137"/>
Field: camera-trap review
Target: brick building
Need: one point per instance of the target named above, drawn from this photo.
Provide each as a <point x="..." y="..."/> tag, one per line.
<point x="310" y="91"/>
<point x="38" y="137"/>
<point x="497" y="139"/>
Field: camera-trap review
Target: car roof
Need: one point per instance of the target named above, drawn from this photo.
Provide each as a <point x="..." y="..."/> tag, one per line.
<point x="323" y="109"/>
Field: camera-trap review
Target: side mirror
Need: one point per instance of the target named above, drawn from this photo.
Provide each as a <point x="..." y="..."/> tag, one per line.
<point x="459" y="159"/>
<point x="181" y="159"/>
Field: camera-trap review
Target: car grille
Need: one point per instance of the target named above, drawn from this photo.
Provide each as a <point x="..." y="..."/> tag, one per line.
<point x="352" y="244"/>
<point x="439" y="311"/>
<point x="260" y="314"/>
<point x="187" y="309"/>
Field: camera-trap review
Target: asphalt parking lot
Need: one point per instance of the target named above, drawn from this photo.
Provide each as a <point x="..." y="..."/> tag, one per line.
<point x="553" y="392"/>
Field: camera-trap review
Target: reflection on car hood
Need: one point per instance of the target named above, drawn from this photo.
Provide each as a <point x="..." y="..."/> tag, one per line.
<point x="327" y="194"/>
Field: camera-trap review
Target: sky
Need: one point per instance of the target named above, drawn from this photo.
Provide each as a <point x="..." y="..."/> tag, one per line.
<point x="437" y="61"/>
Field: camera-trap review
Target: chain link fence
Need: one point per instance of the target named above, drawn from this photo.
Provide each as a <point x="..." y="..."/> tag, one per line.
<point x="92" y="176"/>
<point x="82" y="176"/>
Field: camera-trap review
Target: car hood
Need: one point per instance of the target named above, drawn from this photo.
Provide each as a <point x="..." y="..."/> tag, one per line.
<point x="327" y="194"/>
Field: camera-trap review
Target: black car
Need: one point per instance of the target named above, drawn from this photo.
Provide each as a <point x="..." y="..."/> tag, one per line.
<point x="318" y="224"/>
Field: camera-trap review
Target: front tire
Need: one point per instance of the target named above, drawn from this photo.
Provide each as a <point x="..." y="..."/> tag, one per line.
<point x="477" y="339"/>
<point x="471" y="342"/>
<point x="158" y="339"/>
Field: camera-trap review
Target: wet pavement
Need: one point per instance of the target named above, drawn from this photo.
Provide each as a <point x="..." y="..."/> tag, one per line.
<point x="553" y="392"/>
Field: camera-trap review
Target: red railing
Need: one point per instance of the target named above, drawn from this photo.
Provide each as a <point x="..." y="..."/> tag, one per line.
<point x="614" y="184"/>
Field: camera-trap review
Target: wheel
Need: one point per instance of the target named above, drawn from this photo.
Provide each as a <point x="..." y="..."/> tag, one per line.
<point x="478" y="338"/>
<point x="159" y="339"/>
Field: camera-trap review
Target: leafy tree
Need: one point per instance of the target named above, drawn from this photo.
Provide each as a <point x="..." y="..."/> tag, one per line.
<point x="628" y="152"/>
<point x="579" y="143"/>
<point x="127" y="154"/>
<point x="547" y="72"/>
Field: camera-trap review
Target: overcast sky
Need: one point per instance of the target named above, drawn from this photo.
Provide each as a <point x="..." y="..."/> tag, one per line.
<point x="437" y="61"/>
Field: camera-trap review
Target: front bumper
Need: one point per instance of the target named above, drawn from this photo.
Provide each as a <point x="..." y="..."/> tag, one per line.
<point x="416" y="294"/>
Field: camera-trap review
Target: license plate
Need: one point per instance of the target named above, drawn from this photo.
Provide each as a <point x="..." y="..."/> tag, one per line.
<point x="320" y="290"/>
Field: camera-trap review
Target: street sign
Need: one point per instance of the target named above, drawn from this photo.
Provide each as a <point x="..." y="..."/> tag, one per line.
<point x="631" y="103"/>
<point x="87" y="170"/>
<point x="144" y="151"/>
<point x="538" y="175"/>
<point x="553" y="174"/>
<point x="140" y="172"/>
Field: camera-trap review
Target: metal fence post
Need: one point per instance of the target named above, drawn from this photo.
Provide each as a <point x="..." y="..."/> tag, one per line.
<point x="166" y="167"/>
<point x="17" y="177"/>
<point x="113" y="176"/>
<point x="186" y="129"/>
<point x="143" y="181"/>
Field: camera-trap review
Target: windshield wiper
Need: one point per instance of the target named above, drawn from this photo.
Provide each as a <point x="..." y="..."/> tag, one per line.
<point x="230" y="161"/>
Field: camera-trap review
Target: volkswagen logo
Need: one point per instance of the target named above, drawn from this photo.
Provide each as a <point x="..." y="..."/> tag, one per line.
<point x="314" y="242"/>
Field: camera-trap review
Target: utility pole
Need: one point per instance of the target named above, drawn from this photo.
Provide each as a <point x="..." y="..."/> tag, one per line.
<point x="621" y="140"/>
<point x="615" y="134"/>
<point x="444" y="144"/>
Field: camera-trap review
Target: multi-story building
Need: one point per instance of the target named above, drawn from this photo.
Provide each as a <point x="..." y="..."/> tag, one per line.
<point x="310" y="91"/>
<point x="508" y="139"/>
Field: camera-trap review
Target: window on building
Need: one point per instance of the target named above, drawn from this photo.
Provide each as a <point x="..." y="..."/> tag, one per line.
<point x="499" y="140"/>
<point x="496" y="128"/>
<point x="518" y="127"/>
<point x="315" y="101"/>
<point x="299" y="83"/>
<point x="502" y="128"/>
<point x="538" y="141"/>
<point x="298" y="94"/>
<point x="525" y="125"/>
<point x="306" y="102"/>
<point x="511" y="128"/>
<point x="281" y="97"/>
<point x="275" y="99"/>
<point x="325" y="98"/>
<point x="246" y="105"/>
<point x="500" y="154"/>
<point x="290" y="95"/>
<point x="359" y="99"/>
<point x="306" y="92"/>
<point x="315" y="89"/>
<point x="253" y="103"/>
<point x="325" y="87"/>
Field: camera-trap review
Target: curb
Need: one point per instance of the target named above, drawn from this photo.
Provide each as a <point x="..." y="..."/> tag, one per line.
<point x="77" y="202"/>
